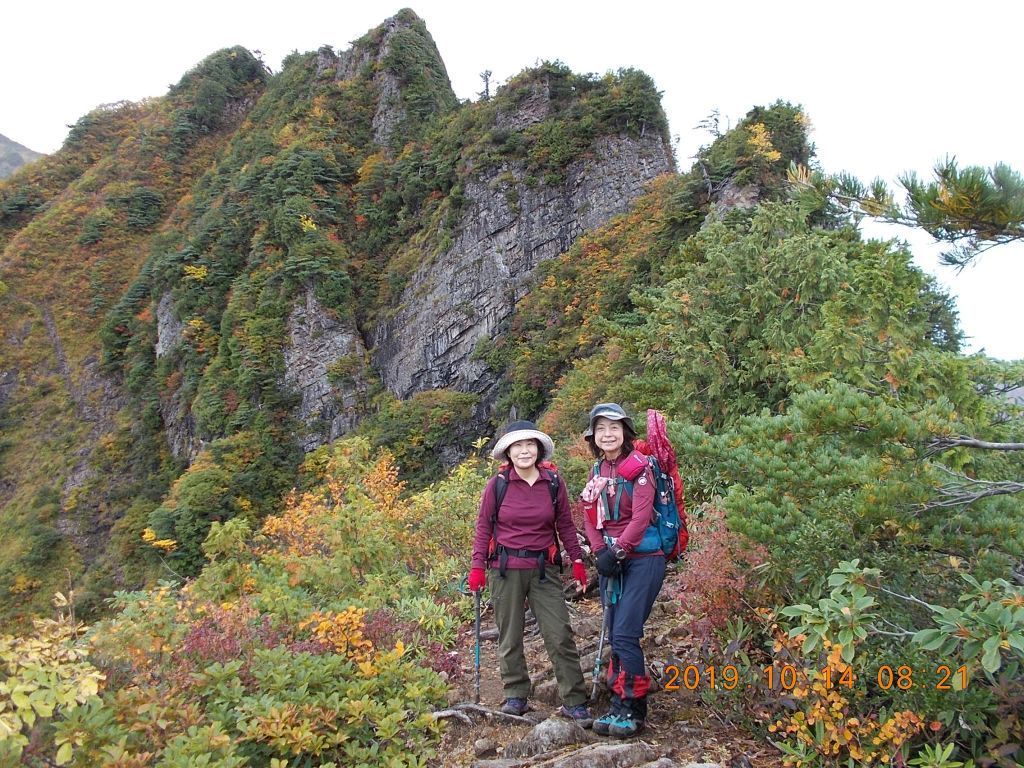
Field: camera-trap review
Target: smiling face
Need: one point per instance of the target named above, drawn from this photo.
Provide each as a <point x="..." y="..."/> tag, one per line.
<point x="523" y="453"/>
<point x="608" y="436"/>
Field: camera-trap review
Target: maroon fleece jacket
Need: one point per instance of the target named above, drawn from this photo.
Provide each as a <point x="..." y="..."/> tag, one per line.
<point x="526" y="520"/>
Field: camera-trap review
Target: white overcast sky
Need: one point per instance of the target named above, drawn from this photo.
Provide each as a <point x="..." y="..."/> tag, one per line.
<point x="889" y="86"/>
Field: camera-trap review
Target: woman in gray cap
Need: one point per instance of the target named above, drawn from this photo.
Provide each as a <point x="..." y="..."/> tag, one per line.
<point x="618" y="512"/>
<point x="524" y="506"/>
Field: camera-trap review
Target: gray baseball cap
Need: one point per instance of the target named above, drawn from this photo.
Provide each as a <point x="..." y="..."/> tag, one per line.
<point x="612" y="411"/>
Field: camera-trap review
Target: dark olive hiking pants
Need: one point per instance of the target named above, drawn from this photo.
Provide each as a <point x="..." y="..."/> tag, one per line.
<point x="548" y="604"/>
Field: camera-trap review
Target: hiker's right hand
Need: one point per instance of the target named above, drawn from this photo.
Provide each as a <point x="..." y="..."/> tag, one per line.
<point x="477" y="579"/>
<point x="579" y="573"/>
<point x="607" y="564"/>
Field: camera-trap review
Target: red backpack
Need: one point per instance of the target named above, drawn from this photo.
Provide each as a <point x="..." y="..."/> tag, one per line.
<point x="666" y="473"/>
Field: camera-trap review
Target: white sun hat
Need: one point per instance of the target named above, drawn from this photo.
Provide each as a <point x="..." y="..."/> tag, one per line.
<point x="523" y="430"/>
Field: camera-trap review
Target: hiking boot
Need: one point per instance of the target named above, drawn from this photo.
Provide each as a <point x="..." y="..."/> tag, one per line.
<point x="602" y="724"/>
<point x="624" y="726"/>
<point x="578" y="714"/>
<point x="514" y="706"/>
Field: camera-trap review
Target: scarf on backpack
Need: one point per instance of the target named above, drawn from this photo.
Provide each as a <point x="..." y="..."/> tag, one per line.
<point x="593" y="493"/>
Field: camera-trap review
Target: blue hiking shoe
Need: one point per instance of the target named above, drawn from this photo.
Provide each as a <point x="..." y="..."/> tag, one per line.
<point x="578" y="714"/>
<point x="624" y="726"/>
<point x="603" y="723"/>
<point x="515" y="706"/>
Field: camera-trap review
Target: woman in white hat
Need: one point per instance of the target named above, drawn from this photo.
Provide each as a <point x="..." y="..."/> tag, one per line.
<point x="524" y="508"/>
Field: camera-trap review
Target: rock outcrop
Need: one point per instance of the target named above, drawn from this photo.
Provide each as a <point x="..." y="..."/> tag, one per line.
<point x="175" y="410"/>
<point x="326" y="364"/>
<point x="508" y="226"/>
<point x="376" y="56"/>
<point x="363" y="58"/>
<point x="168" y="326"/>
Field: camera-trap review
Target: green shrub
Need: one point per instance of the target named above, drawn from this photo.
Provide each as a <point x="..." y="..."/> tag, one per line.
<point x="427" y="433"/>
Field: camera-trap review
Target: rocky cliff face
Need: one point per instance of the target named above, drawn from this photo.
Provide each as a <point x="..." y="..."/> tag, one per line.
<point x="179" y="424"/>
<point x="326" y="364"/>
<point x="359" y="58"/>
<point x="507" y="227"/>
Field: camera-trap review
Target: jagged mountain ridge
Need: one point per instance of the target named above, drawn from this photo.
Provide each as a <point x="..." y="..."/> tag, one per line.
<point x="247" y="265"/>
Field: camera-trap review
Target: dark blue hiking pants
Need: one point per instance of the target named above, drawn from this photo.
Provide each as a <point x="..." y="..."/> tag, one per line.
<point x="640" y="583"/>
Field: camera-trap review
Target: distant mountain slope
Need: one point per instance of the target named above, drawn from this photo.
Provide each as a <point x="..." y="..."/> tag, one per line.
<point x="14" y="155"/>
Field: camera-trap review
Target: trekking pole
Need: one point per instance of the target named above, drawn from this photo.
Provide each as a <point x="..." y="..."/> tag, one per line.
<point x="477" y="660"/>
<point x="600" y="648"/>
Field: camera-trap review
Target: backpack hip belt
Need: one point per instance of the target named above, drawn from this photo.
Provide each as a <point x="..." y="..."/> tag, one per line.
<point x="540" y="555"/>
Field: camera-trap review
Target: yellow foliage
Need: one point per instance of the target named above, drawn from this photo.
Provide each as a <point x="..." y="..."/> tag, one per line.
<point x="382" y="483"/>
<point x="198" y="273"/>
<point x="200" y="334"/>
<point x="23" y="584"/>
<point x="319" y="108"/>
<point x="369" y="166"/>
<point x="285" y="136"/>
<point x="165" y="545"/>
<point x="827" y="722"/>
<point x="760" y="142"/>
<point x="44" y="674"/>
<point x="299" y="529"/>
<point x="344" y="633"/>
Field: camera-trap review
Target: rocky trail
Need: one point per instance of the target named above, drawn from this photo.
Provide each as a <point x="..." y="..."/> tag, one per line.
<point x="681" y="732"/>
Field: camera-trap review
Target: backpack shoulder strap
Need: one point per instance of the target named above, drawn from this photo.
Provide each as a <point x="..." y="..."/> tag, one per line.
<point x="553" y="482"/>
<point x="500" y="486"/>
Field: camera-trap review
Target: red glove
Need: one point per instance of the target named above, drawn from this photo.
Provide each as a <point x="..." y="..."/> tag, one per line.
<point x="477" y="579"/>
<point x="580" y="574"/>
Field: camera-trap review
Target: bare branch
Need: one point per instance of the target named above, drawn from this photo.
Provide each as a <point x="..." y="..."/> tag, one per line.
<point x="908" y="598"/>
<point x="945" y="443"/>
<point x="487" y="711"/>
<point x="453" y="713"/>
<point x="901" y="633"/>
<point x="967" y="490"/>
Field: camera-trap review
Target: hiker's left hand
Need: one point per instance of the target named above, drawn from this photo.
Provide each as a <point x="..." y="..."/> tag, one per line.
<point x="607" y="564"/>
<point x="579" y="572"/>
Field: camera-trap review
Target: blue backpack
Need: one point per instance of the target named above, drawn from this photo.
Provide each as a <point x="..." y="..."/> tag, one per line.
<point x="663" y="534"/>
